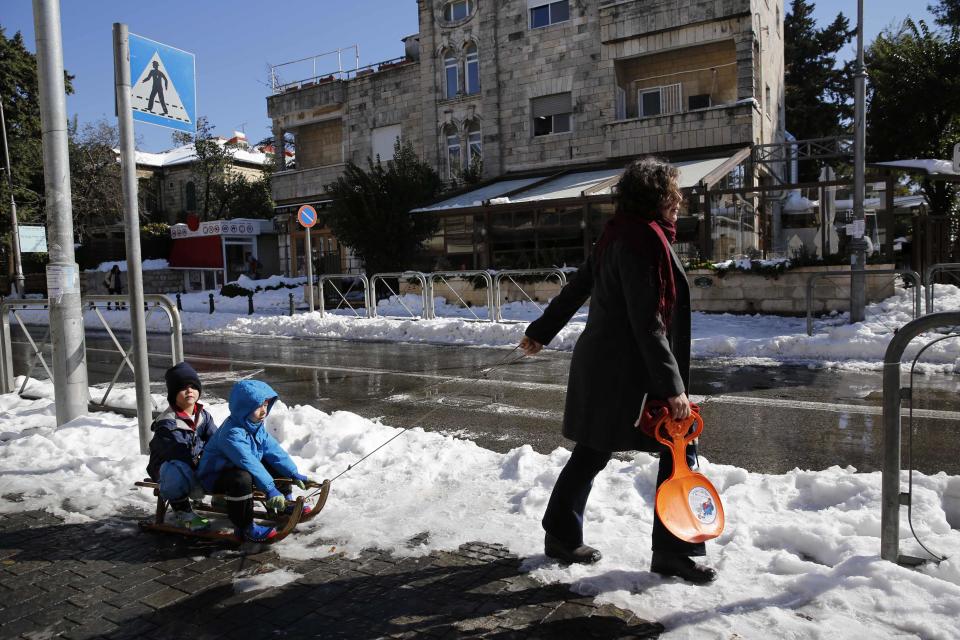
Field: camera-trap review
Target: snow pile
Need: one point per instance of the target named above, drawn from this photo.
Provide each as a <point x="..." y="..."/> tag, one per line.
<point x="146" y="265"/>
<point x="273" y="282"/>
<point x="799" y="554"/>
<point x="269" y="580"/>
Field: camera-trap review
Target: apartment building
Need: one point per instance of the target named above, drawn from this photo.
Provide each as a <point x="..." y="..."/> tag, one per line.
<point x="547" y="101"/>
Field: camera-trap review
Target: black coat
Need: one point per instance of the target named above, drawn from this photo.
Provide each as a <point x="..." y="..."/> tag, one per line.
<point x="623" y="352"/>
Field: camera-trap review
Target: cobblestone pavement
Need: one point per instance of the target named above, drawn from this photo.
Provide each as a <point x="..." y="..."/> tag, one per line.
<point x="108" y="580"/>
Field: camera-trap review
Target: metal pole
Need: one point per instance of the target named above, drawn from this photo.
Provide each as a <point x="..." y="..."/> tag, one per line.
<point x="858" y="259"/>
<point x="310" y="305"/>
<point x="71" y="392"/>
<point x="14" y="229"/>
<point x="131" y="214"/>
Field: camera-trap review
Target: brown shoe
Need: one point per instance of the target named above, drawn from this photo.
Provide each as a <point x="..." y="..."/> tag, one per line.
<point x="557" y="550"/>
<point x="683" y="567"/>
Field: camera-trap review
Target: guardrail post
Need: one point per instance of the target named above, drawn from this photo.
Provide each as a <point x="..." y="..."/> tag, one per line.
<point x="249" y="304"/>
<point x="179" y="303"/>
<point x="6" y="358"/>
<point x="890" y="483"/>
<point x="292" y="307"/>
<point x="211" y="303"/>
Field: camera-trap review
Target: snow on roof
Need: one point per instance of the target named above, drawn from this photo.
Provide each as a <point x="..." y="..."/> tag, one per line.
<point x="477" y="197"/>
<point x="929" y="166"/>
<point x="186" y="154"/>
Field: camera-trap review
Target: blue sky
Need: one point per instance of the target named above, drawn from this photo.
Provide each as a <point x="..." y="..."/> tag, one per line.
<point x="236" y="40"/>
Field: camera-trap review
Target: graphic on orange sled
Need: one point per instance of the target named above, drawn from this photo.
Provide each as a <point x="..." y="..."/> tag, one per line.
<point x="688" y="505"/>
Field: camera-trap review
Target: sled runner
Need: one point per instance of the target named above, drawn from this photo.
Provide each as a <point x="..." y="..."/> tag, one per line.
<point x="687" y="503"/>
<point x="301" y="512"/>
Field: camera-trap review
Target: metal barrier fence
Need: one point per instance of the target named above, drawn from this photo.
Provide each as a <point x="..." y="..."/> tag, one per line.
<point x="444" y="276"/>
<point x="353" y="278"/>
<point x="893" y="394"/>
<point x="952" y="268"/>
<point x="12" y="307"/>
<point x="406" y="275"/>
<point x="906" y="273"/>
<point x="500" y="276"/>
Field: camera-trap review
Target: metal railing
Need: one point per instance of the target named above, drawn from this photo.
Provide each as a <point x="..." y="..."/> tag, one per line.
<point x="444" y="276"/>
<point x="953" y="268"/>
<point x="500" y="276"/>
<point x="893" y="394"/>
<point x="906" y="273"/>
<point x="354" y="278"/>
<point x="93" y="303"/>
<point x="406" y="275"/>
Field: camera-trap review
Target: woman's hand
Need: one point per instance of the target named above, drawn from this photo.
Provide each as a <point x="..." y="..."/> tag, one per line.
<point x="529" y="346"/>
<point x="679" y="406"/>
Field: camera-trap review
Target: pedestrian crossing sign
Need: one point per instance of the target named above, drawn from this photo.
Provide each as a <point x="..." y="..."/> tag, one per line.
<point x="164" y="88"/>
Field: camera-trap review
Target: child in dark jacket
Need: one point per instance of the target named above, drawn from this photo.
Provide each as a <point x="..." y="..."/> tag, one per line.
<point x="242" y="454"/>
<point x="179" y="436"/>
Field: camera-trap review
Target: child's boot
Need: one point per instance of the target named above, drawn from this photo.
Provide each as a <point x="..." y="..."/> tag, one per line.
<point x="291" y="503"/>
<point x="258" y="533"/>
<point x="188" y="519"/>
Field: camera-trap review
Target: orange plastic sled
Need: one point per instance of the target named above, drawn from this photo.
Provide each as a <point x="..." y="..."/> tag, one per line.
<point x="688" y="505"/>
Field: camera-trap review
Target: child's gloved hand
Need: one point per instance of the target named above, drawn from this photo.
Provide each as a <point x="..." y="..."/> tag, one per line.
<point x="277" y="503"/>
<point x="300" y="480"/>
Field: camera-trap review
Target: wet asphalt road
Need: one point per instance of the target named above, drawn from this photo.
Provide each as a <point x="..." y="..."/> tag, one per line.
<point x="764" y="419"/>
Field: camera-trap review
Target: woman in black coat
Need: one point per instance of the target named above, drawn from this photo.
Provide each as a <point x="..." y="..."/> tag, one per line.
<point x="635" y="346"/>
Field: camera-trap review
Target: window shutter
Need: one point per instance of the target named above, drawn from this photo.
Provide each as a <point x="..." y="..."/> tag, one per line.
<point x="551" y="105"/>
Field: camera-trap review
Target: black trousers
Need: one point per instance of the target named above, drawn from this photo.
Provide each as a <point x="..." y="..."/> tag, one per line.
<point x="564" y="516"/>
<point x="237" y="487"/>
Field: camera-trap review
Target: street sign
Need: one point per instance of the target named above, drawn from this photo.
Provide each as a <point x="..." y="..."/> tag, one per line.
<point x="164" y="90"/>
<point x="307" y="216"/>
<point x="33" y="239"/>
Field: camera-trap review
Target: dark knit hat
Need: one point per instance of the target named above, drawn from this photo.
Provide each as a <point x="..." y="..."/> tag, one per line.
<point x="178" y="378"/>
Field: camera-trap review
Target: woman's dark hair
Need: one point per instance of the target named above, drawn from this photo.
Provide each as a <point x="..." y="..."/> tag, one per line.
<point x="645" y="185"/>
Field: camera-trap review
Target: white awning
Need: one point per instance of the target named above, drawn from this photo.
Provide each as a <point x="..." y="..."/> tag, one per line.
<point x="568" y="185"/>
<point x="478" y="197"/>
<point x="928" y="166"/>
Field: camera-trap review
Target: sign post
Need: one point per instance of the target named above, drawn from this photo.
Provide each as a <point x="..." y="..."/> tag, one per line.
<point x="307" y="217"/>
<point x="70" y="389"/>
<point x="170" y="102"/>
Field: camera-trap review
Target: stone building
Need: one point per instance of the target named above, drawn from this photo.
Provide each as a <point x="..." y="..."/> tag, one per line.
<point x="547" y="101"/>
<point x="168" y="183"/>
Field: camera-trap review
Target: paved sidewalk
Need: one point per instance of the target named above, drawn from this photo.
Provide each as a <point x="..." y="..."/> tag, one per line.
<point x="109" y="580"/>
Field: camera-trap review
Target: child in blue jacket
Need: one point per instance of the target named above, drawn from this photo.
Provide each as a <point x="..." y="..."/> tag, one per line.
<point x="179" y="436"/>
<point x="242" y="455"/>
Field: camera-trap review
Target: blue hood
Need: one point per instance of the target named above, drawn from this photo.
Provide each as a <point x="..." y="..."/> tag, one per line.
<point x="245" y="397"/>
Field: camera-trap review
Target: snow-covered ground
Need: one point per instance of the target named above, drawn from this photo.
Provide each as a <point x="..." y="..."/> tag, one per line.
<point x="756" y="339"/>
<point x="799" y="557"/>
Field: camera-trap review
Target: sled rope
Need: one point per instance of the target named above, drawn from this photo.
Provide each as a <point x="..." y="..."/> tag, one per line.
<point x="508" y="359"/>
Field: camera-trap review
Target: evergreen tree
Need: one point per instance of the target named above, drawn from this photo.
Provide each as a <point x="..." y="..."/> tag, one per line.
<point x="211" y="167"/>
<point x="946" y="13"/>
<point x="913" y="103"/>
<point x="21" y="105"/>
<point x="371" y="209"/>
<point x="817" y="92"/>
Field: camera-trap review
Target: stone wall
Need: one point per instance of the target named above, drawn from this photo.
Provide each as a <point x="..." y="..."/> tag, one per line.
<point x="154" y="281"/>
<point x="738" y="292"/>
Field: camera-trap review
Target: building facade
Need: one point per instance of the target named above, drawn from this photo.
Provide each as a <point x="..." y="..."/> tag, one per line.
<point x="529" y="90"/>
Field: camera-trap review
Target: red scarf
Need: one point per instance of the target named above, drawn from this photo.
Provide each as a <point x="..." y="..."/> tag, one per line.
<point x="648" y="237"/>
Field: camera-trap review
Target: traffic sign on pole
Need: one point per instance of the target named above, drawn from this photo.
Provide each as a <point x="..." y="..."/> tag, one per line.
<point x="164" y="91"/>
<point x="307" y="216"/>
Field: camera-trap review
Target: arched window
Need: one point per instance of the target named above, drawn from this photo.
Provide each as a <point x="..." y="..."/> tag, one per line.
<point x="191" y="197"/>
<point x="451" y="74"/>
<point x="454" y="160"/>
<point x="472" y="75"/>
<point x="457" y="10"/>
<point x="474" y="144"/>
